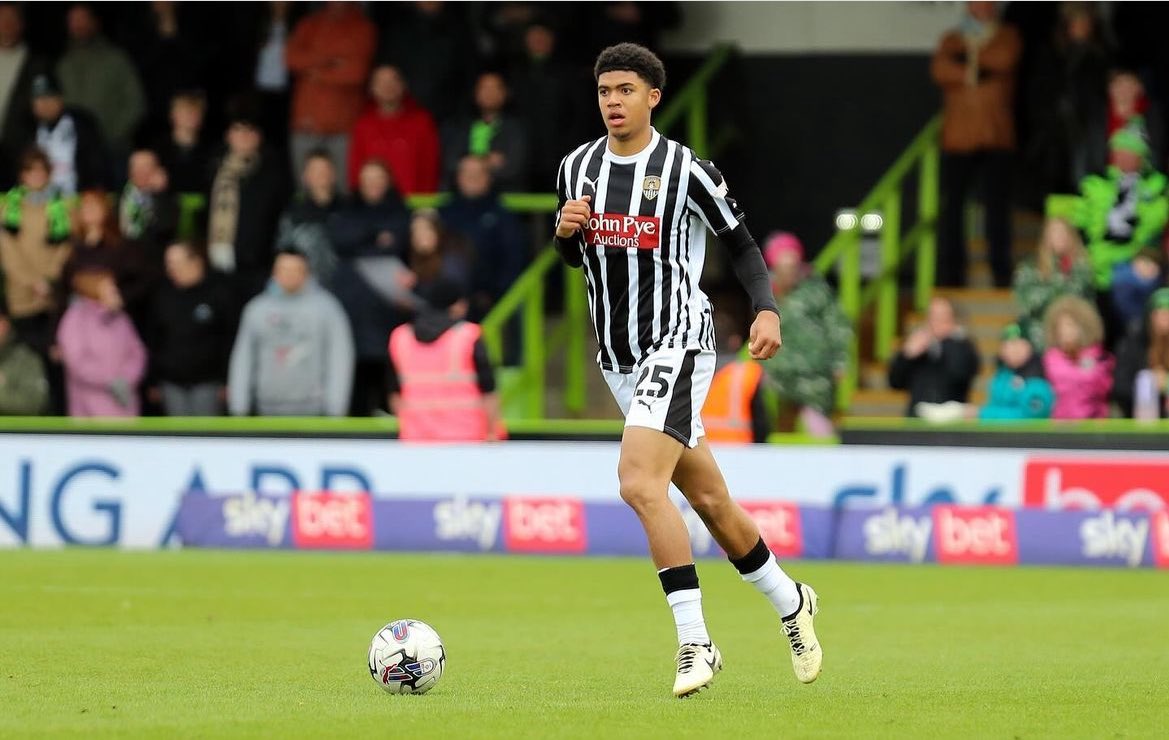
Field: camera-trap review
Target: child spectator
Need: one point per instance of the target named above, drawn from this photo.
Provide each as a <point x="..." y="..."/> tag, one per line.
<point x="938" y="362"/>
<point x="1060" y="267"/>
<point x="193" y="324"/>
<point x="817" y="337"/>
<point x="1017" y="391"/>
<point x="24" y="391"/>
<point x="293" y="355"/>
<point x="1142" y="364"/>
<point x="103" y="357"/>
<point x="1076" y="363"/>
<point x="1133" y="284"/>
<point x="304" y="223"/>
<point x="492" y="133"/>
<point x="34" y="246"/>
<point x="330" y="53"/>
<point x="99" y="251"/>
<point x="398" y="131"/>
<point x="184" y="152"/>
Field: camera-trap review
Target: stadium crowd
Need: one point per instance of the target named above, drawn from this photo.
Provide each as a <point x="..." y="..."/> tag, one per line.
<point x="301" y="129"/>
<point x="199" y="198"/>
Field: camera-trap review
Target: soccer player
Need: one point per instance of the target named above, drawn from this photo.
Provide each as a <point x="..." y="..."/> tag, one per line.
<point x="632" y="209"/>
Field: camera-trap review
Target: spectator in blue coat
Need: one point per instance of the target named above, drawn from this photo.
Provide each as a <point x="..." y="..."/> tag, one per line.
<point x="496" y="235"/>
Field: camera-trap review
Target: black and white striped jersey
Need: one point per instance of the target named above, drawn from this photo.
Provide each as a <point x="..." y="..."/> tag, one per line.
<point x="644" y="245"/>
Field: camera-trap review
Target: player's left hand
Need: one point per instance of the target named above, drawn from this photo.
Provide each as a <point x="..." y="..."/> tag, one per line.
<point x="765" y="340"/>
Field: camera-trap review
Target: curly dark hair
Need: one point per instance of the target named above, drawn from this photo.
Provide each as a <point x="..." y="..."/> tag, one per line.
<point x="632" y="58"/>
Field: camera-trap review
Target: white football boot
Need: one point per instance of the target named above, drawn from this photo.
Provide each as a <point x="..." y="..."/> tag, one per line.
<point x="697" y="665"/>
<point x="806" y="653"/>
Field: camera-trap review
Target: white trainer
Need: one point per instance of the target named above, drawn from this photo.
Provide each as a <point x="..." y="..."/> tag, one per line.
<point x="697" y="665"/>
<point x="807" y="656"/>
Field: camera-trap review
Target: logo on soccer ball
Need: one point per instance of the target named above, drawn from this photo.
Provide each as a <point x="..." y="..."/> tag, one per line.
<point x="650" y="187"/>
<point x="400" y="631"/>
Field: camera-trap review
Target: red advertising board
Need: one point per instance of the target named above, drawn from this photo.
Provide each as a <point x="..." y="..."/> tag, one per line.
<point x="983" y="535"/>
<point x="1078" y="483"/>
<point x="340" y="521"/>
<point x="546" y="525"/>
<point x="779" y="525"/>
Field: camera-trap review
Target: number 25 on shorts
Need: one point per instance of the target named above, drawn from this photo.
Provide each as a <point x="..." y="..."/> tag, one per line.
<point x="658" y="378"/>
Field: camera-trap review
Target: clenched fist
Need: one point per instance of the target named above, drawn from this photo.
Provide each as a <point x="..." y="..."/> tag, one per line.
<point x="573" y="217"/>
<point x="765" y="340"/>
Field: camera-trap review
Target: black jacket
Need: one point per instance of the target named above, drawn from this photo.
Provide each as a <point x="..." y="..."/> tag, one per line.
<point x="189" y="169"/>
<point x="500" y="244"/>
<point x="1132" y="356"/>
<point x="19" y="123"/>
<point x="942" y="373"/>
<point x="263" y="193"/>
<point x="192" y="331"/>
<point x="90" y="157"/>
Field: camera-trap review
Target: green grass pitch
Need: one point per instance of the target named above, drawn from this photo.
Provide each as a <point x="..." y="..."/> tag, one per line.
<point x="235" y="644"/>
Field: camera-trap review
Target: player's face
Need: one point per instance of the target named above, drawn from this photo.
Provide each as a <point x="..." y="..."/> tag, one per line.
<point x="625" y="100"/>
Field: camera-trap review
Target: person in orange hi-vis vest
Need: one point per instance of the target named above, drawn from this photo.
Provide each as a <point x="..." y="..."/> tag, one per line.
<point x="440" y="381"/>
<point x="734" y="410"/>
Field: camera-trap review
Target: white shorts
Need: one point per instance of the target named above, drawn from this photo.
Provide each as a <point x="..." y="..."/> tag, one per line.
<point x="666" y="392"/>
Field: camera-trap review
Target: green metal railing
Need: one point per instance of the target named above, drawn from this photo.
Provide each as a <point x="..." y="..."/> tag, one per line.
<point x="843" y="251"/>
<point x="522" y="389"/>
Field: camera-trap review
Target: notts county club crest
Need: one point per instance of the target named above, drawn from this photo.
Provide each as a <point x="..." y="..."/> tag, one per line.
<point x="650" y="187"/>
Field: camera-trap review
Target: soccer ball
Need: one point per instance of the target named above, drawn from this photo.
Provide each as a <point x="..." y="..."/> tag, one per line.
<point x="407" y="657"/>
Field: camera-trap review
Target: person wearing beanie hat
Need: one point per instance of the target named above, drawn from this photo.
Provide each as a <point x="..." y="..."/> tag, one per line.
<point x="1142" y="363"/>
<point x="816" y="342"/>
<point x="70" y="136"/>
<point x="1017" y="391"/>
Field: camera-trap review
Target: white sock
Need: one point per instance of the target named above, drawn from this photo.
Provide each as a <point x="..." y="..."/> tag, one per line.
<point x="687" y="607"/>
<point x="777" y="586"/>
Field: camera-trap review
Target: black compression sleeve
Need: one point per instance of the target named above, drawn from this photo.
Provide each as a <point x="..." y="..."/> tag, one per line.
<point x="750" y="268"/>
<point x="570" y="250"/>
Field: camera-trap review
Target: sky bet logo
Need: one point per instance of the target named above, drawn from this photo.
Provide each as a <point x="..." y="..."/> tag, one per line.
<point x="619" y="231"/>
<point x="891" y="534"/>
<point x="1110" y="536"/>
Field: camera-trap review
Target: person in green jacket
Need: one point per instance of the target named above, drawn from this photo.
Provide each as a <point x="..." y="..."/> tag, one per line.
<point x="1060" y="267"/>
<point x="1123" y="210"/>
<point x="23" y="387"/>
<point x="816" y="336"/>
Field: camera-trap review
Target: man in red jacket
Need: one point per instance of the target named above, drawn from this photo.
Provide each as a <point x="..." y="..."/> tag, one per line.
<point x="397" y="130"/>
<point x="330" y="52"/>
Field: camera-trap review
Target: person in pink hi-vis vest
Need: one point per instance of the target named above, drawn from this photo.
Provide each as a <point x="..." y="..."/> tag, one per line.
<point x="103" y="356"/>
<point x="441" y="383"/>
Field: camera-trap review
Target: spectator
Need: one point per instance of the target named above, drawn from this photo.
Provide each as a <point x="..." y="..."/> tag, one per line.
<point x="18" y="67"/>
<point x="293" y="355"/>
<point x="440" y="381"/>
<point x="543" y="101"/>
<point x="103" y="357"/>
<point x="938" y="362"/>
<point x="735" y="411"/>
<point x="147" y="211"/>
<point x="975" y="67"/>
<point x="372" y="281"/>
<point x="1017" y="391"/>
<point x="184" y="152"/>
<point x="1133" y="284"/>
<point x="433" y="48"/>
<point x="70" y="138"/>
<point x="330" y="53"/>
<point x="1067" y="97"/>
<point x="436" y="252"/>
<point x="100" y="78"/>
<point x="491" y="133"/>
<point x="193" y="325"/>
<point x="99" y="251"/>
<point x="34" y="246"/>
<point x="396" y="130"/>
<point x="1060" y="267"/>
<point x="24" y="390"/>
<point x="271" y="71"/>
<point x="247" y="195"/>
<point x="1120" y="213"/>
<point x="496" y="235"/>
<point x="1128" y="108"/>
<point x="1076" y="363"/>
<point x="817" y="338"/>
<point x="1142" y="364"/>
<point x="171" y="55"/>
<point x="304" y="224"/>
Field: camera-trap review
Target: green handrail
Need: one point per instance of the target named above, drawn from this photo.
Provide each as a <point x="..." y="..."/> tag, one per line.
<point x="522" y="389"/>
<point x="843" y="251"/>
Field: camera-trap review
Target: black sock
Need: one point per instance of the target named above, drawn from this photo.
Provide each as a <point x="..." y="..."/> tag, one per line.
<point x="679" y="578"/>
<point x="753" y="560"/>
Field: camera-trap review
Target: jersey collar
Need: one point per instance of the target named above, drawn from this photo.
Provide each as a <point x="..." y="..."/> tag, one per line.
<point x="630" y="159"/>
